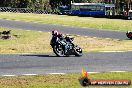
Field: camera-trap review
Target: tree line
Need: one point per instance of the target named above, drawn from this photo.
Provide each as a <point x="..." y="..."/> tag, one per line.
<point x="53" y="4"/>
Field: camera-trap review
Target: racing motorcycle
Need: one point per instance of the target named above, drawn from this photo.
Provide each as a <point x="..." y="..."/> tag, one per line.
<point x="65" y="47"/>
<point x="129" y="34"/>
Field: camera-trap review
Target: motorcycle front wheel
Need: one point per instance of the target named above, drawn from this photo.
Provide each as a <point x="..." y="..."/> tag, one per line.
<point x="78" y="51"/>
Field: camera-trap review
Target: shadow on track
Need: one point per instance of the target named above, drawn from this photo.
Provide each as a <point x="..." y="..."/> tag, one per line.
<point x="37" y="55"/>
<point x="40" y="55"/>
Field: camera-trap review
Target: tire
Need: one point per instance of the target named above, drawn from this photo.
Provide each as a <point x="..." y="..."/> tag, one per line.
<point x="58" y="50"/>
<point x="85" y="82"/>
<point x="78" y="51"/>
<point x="129" y="18"/>
<point x="131" y="38"/>
<point x="129" y="35"/>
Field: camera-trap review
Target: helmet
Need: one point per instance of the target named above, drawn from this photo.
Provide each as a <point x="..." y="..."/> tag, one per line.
<point x="55" y="32"/>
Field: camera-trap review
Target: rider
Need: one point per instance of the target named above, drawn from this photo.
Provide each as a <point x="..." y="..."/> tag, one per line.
<point x="55" y="35"/>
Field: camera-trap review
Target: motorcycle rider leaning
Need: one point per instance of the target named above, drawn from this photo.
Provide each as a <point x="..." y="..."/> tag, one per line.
<point x="56" y="35"/>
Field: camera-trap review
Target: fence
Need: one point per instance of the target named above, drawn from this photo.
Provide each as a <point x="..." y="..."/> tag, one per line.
<point x="25" y="10"/>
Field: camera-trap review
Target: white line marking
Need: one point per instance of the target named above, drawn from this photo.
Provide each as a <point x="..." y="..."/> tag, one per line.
<point x="29" y="74"/>
<point x="93" y="72"/>
<point x="107" y="38"/>
<point x="113" y="51"/>
<point x="94" y="37"/>
<point x="118" y="71"/>
<point x="56" y="73"/>
<point x="78" y="35"/>
<point x="39" y="31"/>
<point x="9" y="75"/>
<point x="86" y="36"/>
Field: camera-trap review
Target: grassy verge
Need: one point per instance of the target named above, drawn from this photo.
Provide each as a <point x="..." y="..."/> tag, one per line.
<point x="23" y="41"/>
<point x="100" y="44"/>
<point x="89" y="22"/>
<point x="59" y="81"/>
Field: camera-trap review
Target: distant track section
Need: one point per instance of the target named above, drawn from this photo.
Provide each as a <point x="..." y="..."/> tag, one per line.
<point x="64" y="29"/>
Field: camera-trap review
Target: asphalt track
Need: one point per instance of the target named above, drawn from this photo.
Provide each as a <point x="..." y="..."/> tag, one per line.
<point x="64" y="29"/>
<point x="49" y="63"/>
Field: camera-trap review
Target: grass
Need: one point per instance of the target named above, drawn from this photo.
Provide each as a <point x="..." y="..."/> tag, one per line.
<point x="24" y="41"/>
<point x="91" y="44"/>
<point x="38" y="42"/>
<point x="89" y="22"/>
<point x="60" y="81"/>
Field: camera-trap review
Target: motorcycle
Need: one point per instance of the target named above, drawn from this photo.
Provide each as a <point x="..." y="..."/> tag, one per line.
<point x="65" y="47"/>
<point x="129" y="34"/>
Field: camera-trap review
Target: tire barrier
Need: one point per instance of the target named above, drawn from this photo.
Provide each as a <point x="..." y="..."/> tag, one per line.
<point x="5" y="34"/>
<point x="26" y="10"/>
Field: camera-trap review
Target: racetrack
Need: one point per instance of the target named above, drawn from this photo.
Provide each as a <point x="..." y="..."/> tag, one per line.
<point x="49" y="63"/>
<point x="63" y="29"/>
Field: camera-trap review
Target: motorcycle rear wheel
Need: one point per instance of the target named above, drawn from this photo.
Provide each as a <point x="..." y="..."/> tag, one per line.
<point x="129" y="35"/>
<point x="58" y="50"/>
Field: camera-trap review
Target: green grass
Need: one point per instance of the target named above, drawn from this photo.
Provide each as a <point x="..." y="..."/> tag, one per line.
<point x="89" y="22"/>
<point x="59" y="81"/>
<point x="101" y="44"/>
<point x="23" y="41"/>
